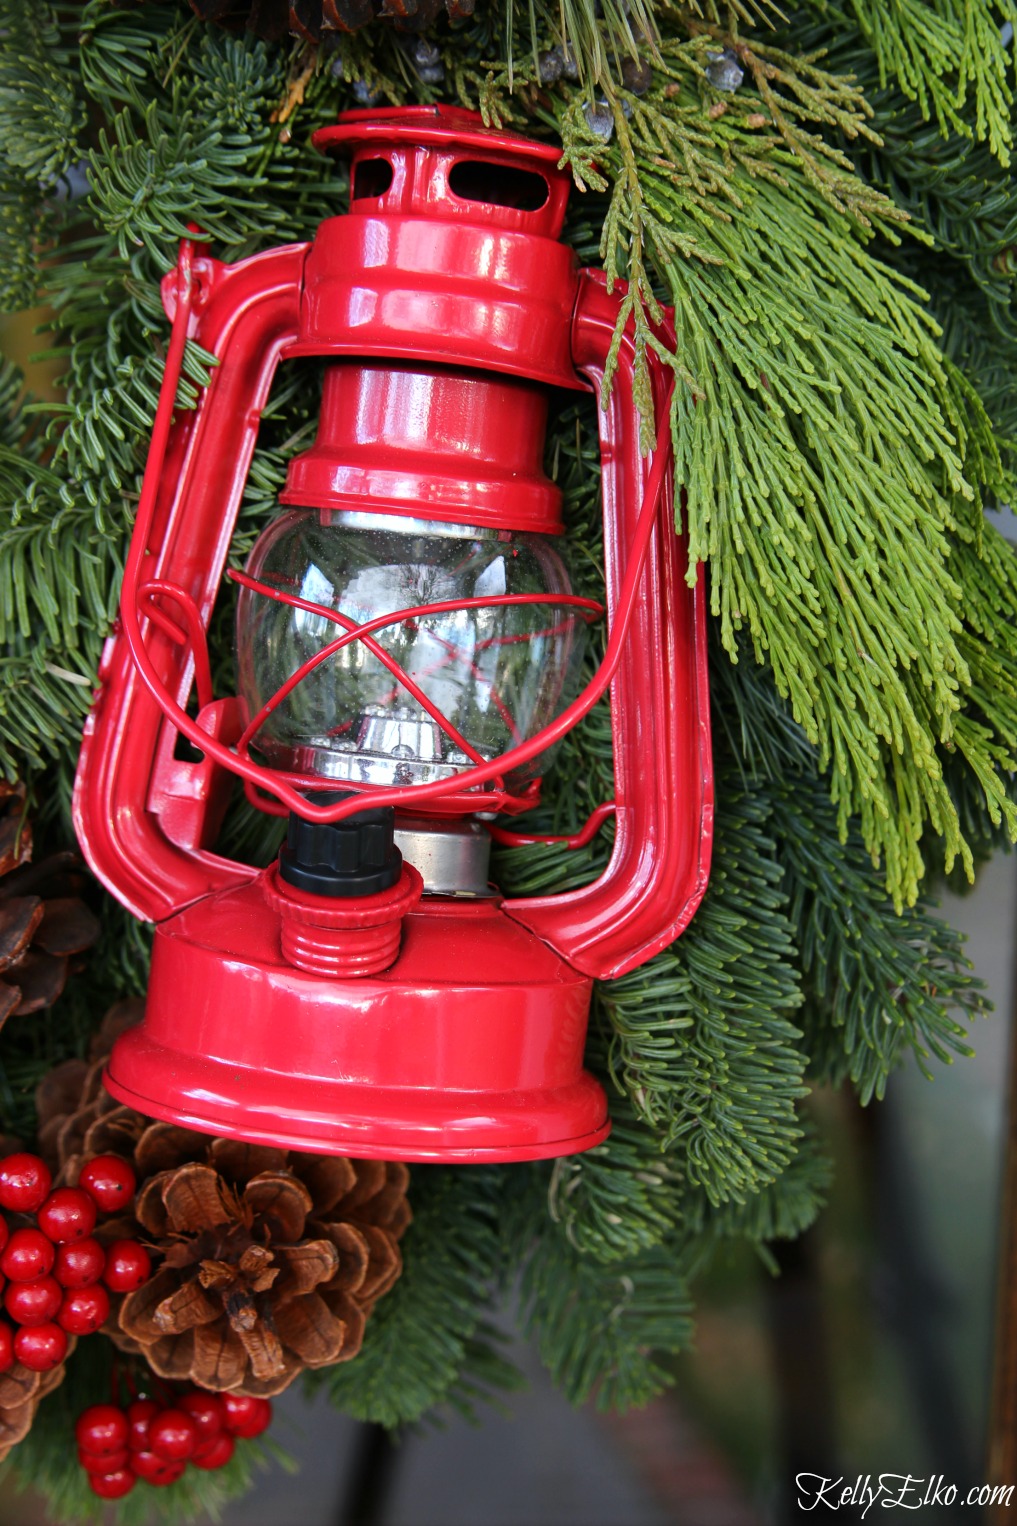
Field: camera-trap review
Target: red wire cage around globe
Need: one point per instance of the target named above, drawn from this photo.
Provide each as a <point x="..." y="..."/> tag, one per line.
<point x="469" y="1044"/>
<point x="453" y="796"/>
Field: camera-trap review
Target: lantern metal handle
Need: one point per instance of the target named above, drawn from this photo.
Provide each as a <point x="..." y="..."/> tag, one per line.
<point x="144" y="818"/>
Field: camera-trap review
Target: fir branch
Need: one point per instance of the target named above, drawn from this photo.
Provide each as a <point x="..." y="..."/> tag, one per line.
<point x="425" y="1331"/>
<point x="601" y="1330"/>
<point x="42" y="114"/>
<point x="42" y="709"/>
<point x="702" y="1042"/>
<point x="22" y="232"/>
<point x="485" y="1375"/>
<point x="878" y="985"/>
<point x="122" y="56"/>
<point x="782" y="1210"/>
<point x="624" y="1196"/>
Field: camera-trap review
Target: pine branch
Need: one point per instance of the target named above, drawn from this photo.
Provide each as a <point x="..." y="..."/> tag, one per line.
<point x="426" y="1330"/>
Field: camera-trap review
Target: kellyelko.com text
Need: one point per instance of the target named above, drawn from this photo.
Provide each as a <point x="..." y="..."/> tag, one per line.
<point x="894" y="1491"/>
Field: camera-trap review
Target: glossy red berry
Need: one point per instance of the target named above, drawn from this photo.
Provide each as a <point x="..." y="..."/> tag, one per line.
<point x="112" y="1486"/>
<point x="245" y="1416"/>
<point x="84" y="1310"/>
<point x="155" y="1469"/>
<point x="111" y="1463"/>
<point x="102" y="1429"/>
<point x="6" y="1346"/>
<point x="173" y="1435"/>
<point x="67" y="1214"/>
<point x="28" y="1254"/>
<point x="79" y="1264"/>
<point x="34" y="1303"/>
<point x="140" y="1415"/>
<point x="214" y="1453"/>
<point x="40" y="1347"/>
<point x="5" y="1230"/>
<point x="24" y="1182"/>
<point x="171" y="1472"/>
<point x="128" y="1266"/>
<point x="206" y="1412"/>
<point x="109" y="1181"/>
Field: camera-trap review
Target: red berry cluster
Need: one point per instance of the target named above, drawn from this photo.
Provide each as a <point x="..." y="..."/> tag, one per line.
<point x="54" y="1277"/>
<point x="155" y="1442"/>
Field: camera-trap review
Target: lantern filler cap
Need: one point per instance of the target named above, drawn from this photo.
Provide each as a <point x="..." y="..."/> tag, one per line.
<point x="353" y="857"/>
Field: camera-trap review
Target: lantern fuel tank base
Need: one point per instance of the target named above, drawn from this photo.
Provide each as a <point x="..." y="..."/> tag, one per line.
<point x="468" y="1049"/>
<point x="365" y="1123"/>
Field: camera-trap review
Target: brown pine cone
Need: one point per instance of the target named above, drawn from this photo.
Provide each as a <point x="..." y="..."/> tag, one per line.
<point x="266" y="1261"/>
<point x="271" y="1262"/>
<point x="43" y="923"/>
<point x="21" y="1393"/>
<point x="314" y="19"/>
<point x="71" y="1097"/>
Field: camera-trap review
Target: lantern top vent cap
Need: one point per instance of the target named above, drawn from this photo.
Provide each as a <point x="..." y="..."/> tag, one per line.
<point x="429" y="126"/>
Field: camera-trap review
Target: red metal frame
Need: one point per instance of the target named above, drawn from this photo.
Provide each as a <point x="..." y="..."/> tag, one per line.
<point x="419" y="263"/>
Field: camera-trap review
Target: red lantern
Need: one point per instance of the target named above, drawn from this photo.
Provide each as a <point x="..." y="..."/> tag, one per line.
<point x="406" y="638"/>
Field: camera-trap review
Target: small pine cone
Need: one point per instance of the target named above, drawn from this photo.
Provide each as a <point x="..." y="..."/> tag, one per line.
<point x="43" y="922"/>
<point x="72" y="1097"/>
<point x="266" y="1261"/>
<point x="269" y="1261"/>
<point x="21" y="1393"/>
<point x="312" y="20"/>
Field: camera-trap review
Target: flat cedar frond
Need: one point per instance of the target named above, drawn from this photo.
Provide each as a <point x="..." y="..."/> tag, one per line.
<point x="782" y="404"/>
<point x="938" y="53"/>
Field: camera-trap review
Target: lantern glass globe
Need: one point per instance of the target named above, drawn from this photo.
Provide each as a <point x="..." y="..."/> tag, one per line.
<point x="497" y="672"/>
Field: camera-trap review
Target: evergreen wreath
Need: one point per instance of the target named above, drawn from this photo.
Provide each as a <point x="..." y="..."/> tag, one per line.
<point x="824" y="196"/>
